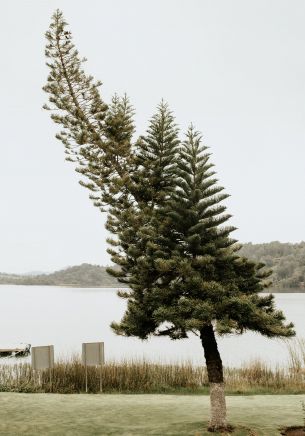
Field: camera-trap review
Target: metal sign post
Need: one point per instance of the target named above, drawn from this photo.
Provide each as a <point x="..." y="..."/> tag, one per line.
<point x="93" y="355"/>
<point x="43" y="358"/>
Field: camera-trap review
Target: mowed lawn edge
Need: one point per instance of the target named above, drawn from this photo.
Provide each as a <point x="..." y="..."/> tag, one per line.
<point x="73" y="414"/>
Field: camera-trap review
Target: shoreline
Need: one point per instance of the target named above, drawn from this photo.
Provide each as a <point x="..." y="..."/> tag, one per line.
<point x="286" y="291"/>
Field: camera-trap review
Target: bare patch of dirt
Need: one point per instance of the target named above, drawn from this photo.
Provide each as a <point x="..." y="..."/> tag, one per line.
<point x="293" y="431"/>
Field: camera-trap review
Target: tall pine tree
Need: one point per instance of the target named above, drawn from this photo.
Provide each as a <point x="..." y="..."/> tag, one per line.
<point x="164" y="209"/>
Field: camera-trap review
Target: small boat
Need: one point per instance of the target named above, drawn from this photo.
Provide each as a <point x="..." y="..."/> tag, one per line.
<point x="22" y="351"/>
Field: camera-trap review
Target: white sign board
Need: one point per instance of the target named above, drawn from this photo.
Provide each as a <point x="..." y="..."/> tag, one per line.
<point x="43" y="357"/>
<point x="93" y="353"/>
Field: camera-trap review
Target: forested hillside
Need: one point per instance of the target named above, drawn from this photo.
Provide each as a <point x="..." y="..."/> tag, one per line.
<point x="286" y="260"/>
<point x="84" y="275"/>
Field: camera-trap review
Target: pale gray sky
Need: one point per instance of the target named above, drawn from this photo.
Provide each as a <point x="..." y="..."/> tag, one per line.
<point x="235" y="68"/>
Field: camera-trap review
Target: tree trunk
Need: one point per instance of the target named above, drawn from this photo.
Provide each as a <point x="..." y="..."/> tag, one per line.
<point x="215" y="376"/>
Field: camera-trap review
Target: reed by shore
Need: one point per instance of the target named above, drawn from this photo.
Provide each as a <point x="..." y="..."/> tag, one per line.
<point x="68" y="376"/>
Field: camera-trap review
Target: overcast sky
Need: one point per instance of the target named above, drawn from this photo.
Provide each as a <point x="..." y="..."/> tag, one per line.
<point x="235" y="68"/>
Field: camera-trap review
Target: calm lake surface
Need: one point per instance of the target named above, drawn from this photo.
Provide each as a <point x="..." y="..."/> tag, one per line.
<point x="66" y="317"/>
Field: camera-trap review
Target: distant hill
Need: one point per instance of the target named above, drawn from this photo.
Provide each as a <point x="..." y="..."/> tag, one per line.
<point x="84" y="275"/>
<point x="286" y="260"/>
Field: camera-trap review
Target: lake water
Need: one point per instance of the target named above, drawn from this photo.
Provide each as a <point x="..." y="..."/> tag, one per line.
<point x="66" y="317"/>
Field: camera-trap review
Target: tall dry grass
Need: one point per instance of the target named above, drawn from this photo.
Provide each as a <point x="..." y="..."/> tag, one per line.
<point x="296" y="349"/>
<point x="68" y="376"/>
<point x="129" y="376"/>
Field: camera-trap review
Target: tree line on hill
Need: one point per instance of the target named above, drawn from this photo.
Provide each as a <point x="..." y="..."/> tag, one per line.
<point x="286" y="260"/>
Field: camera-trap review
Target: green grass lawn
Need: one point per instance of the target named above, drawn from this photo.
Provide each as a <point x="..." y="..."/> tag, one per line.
<point x="55" y="414"/>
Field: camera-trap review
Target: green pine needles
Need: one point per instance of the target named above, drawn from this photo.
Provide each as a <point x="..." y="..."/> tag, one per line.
<point x="170" y="241"/>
